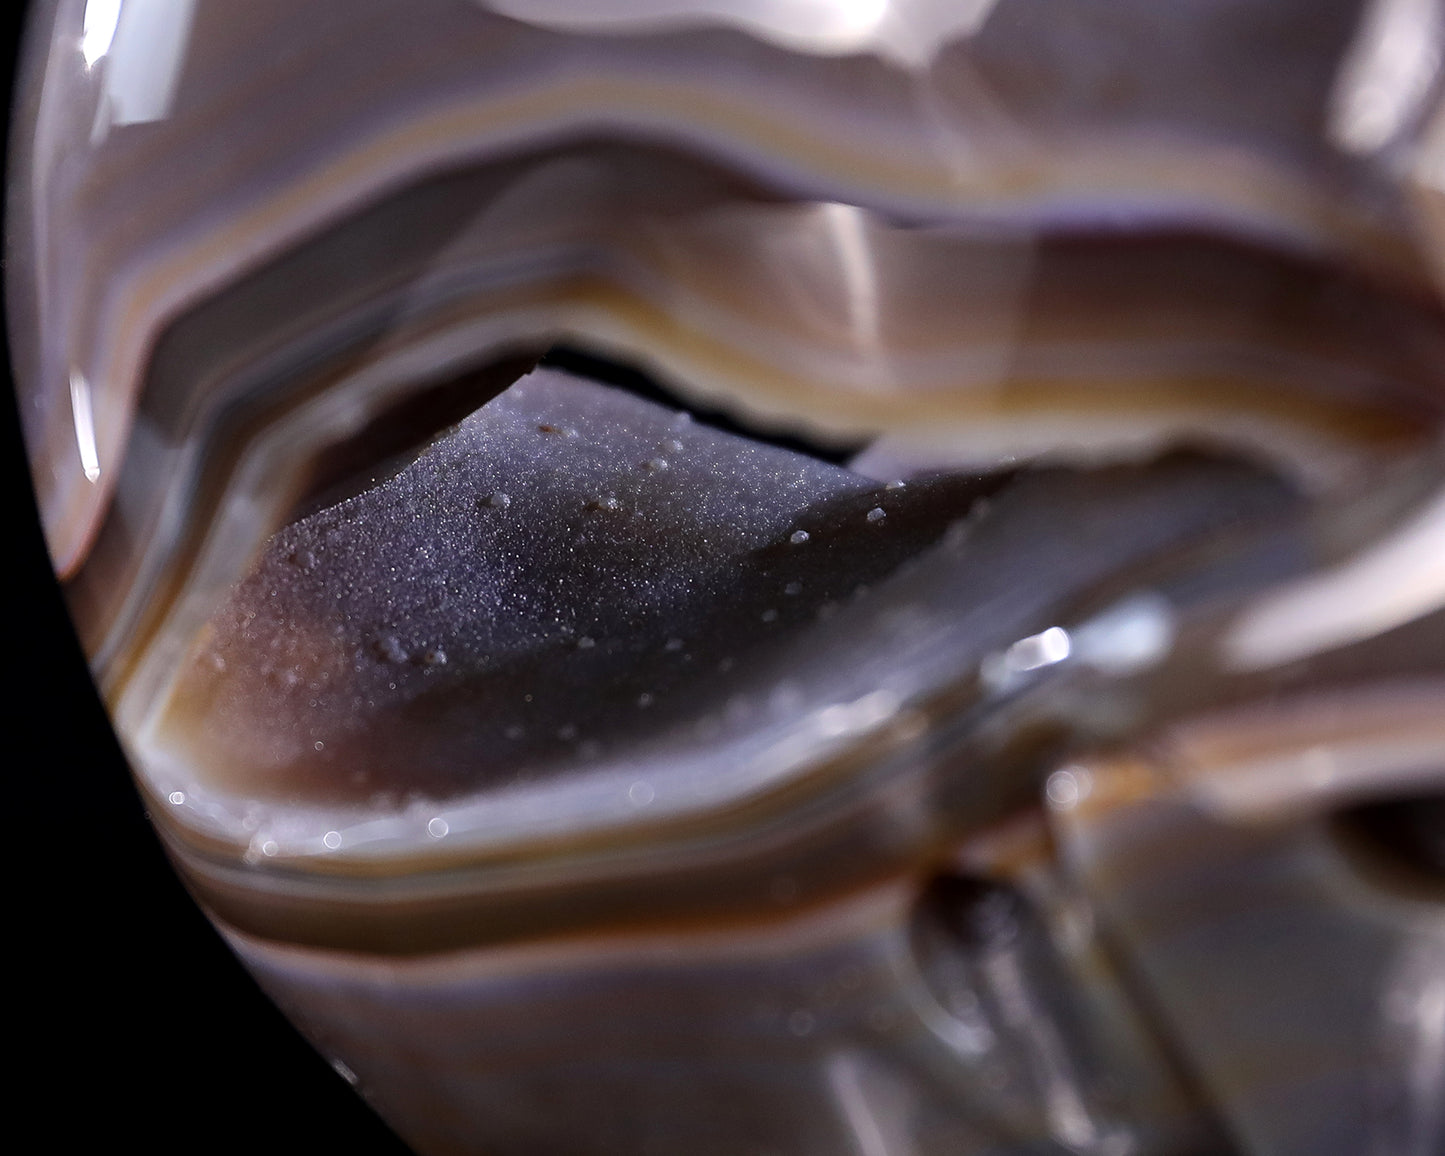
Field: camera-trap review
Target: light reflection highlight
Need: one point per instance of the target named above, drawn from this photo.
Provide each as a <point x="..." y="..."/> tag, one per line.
<point x="1001" y="671"/>
<point x="143" y="54"/>
<point x="83" y="415"/>
<point x="1398" y="580"/>
<point x="847" y="1081"/>
<point x="1044" y="649"/>
<point x="845" y="226"/>
<point x="909" y="33"/>
<point x="1066" y="789"/>
<point x="1389" y="71"/>
<point x="1130" y="636"/>
<point x="98" y="29"/>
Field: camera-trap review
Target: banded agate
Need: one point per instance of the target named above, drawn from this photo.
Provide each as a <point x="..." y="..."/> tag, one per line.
<point x="772" y="577"/>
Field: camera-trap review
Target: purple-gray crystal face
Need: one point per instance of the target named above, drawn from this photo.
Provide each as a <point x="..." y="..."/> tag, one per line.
<point x="773" y="576"/>
<point x="574" y="576"/>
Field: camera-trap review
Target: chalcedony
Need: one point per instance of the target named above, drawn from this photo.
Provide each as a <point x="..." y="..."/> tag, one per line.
<point x="782" y="577"/>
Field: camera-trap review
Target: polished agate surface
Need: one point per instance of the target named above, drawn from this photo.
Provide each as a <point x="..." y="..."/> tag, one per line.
<point x="772" y="576"/>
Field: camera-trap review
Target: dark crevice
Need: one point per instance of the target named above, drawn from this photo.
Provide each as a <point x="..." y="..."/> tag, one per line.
<point x="600" y="368"/>
<point x="1398" y="845"/>
<point x="396" y="436"/>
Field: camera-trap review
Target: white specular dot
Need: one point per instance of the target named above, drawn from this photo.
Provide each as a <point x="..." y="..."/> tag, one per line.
<point x="438" y="828"/>
<point x="1067" y="788"/>
<point x="1037" y="650"/>
<point x="332" y="839"/>
<point x="1129" y="636"/>
<point x="177" y="797"/>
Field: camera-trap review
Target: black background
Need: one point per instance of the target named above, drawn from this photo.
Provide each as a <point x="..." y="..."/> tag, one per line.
<point x="130" y="1021"/>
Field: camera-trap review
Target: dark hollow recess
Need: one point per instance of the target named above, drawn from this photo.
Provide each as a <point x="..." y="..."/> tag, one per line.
<point x="396" y="436"/>
<point x="600" y="368"/>
<point x="1399" y="844"/>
